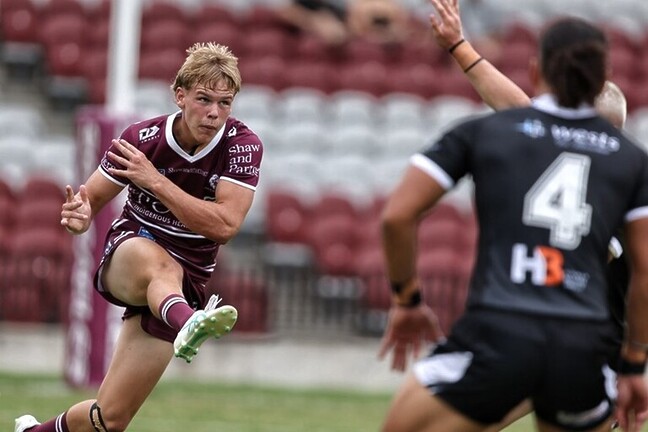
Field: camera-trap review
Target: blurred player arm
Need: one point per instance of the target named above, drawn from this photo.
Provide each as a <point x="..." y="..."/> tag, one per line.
<point x="495" y="88"/>
<point x="79" y="209"/>
<point x="411" y="322"/>
<point x="324" y="23"/>
<point x="415" y="194"/>
<point x="632" y="399"/>
<point x="636" y="342"/>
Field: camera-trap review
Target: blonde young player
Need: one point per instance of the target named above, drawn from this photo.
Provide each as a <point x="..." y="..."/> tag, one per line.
<point x="191" y="177"/>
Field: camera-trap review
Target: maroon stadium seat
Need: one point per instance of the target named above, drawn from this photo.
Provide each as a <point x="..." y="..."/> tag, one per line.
<point x="160" y="65"/>
<point x="39" y="187"/>
<point x="312" y="74"/>
<point x="44" y="211"/>
<point x="518" y="56"/>
<point x="211" y="14"/>
<point x="268" y="41"/>
<point x="160" y="10"/>
<point x="266" y="70"/>
<point x="19" y="22"/>
<point x="370" y="77"/>
<point x="333" y="241"/>
<point x="54" y="8"/>
<point x="164" y="34"/>
<point x="259" y="17"/>
<point x="286" y="218"/>
<point x="248" y="294"/>
<point x="361" y="51"/>
<point x="331" y="203"/>
<point x="37" y="284"/>
<point x="421" y="79"/>
<point x="223" y="33"/>
<point x="63" y="37"/>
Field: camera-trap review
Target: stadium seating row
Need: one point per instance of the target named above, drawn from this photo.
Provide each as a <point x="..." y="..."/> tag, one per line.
<point x="73" y="40"/>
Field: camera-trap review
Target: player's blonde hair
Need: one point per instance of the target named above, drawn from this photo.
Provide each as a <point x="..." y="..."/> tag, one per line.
<point x="611" y="104"/>
<point x="208" y="64"/>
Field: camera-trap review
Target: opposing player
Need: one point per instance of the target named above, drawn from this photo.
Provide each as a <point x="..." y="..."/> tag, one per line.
<point x="500" y="93"/>
<point x="553" y="183"/>
<point x="191" y="177"/>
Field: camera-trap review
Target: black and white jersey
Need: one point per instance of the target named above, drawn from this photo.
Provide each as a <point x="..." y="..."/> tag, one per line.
<point x="552" y="186"/>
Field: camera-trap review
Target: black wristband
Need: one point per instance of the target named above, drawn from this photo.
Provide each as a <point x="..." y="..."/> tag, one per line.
<point x="473" y="64"/>
<point x="454" y="47"/>
<point x="414" y="300"/>
<point x="627" y="367"/>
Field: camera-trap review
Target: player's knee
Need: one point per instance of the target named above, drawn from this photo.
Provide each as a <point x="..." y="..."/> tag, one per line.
<point x="166" y="268"/>
<point x="108" y="423"/>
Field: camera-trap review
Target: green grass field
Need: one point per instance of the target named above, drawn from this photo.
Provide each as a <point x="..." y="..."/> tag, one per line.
<point x="207" y="407"/>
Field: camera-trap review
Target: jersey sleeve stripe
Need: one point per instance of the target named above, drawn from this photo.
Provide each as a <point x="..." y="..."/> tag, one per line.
<point x="240" y="183"/>
<point x="433" y="170"/>
<point x="615" y="248"/>
<point x="638" y="213"/>
<point x="105" y="173"/>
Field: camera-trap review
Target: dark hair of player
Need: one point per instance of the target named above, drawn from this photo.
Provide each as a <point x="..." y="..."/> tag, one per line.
<point x="573" y="58"/>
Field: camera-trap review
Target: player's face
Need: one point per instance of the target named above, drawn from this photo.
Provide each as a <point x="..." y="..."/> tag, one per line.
<point x="204" y="111"/>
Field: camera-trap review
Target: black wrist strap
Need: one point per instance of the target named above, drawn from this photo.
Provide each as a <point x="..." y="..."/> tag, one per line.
<point x="456" y="45"/>
<point x="627" y="367"/>
<point x="414" y="300"/>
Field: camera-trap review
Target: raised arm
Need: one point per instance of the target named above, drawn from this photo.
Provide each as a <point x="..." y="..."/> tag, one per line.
<point x="495" y="88"/>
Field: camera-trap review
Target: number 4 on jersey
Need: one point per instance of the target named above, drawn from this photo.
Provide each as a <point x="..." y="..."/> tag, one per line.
<point x="557" y="201"/>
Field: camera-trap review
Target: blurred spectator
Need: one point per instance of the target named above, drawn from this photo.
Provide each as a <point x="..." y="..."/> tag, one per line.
<point x="337" y="21"/>
<point x="326" y="19"/>
<point x="383" y="21"/>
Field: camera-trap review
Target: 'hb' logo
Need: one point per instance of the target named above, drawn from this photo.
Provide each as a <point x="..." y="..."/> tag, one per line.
<point x="545" y="265"/>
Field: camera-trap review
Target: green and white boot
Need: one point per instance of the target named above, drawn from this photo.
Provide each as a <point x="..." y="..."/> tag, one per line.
<point x="211" y="322"/>
<point x="25" y="422"/>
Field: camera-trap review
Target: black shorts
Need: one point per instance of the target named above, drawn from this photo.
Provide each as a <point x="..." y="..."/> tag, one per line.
<point x="193" y="287"/>
<point x="494" y="360"/>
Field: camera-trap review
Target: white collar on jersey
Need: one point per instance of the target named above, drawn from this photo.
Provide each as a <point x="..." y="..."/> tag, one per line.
<point x="549" y="103"/>
<point x="176" y="147"/>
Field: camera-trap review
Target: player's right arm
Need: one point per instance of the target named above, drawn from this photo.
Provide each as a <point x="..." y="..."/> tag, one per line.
<point x="632" y="402"/>
<point x="79" y="209"/>
<point x="495" y="88"/>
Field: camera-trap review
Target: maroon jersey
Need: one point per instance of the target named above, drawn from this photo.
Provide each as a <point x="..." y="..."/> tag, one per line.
<point x="233" y="155"/>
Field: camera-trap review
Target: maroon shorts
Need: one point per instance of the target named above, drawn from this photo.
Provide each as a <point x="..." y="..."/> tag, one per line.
<point x="193" y="286"/>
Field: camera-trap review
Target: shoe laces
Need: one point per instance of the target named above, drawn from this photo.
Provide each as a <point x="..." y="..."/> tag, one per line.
<point x="213" y="302"/>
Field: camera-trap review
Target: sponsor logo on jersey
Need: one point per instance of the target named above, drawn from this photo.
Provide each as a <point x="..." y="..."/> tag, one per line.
<point x="212" y="181"/>
<point x="231" y="132"/>
<point x="143" y="232"/>
<point x="583" y="139"/>
<point x="544" y="267"/>
<point x="148" y="133"/>
<point x="532" y="128"/>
